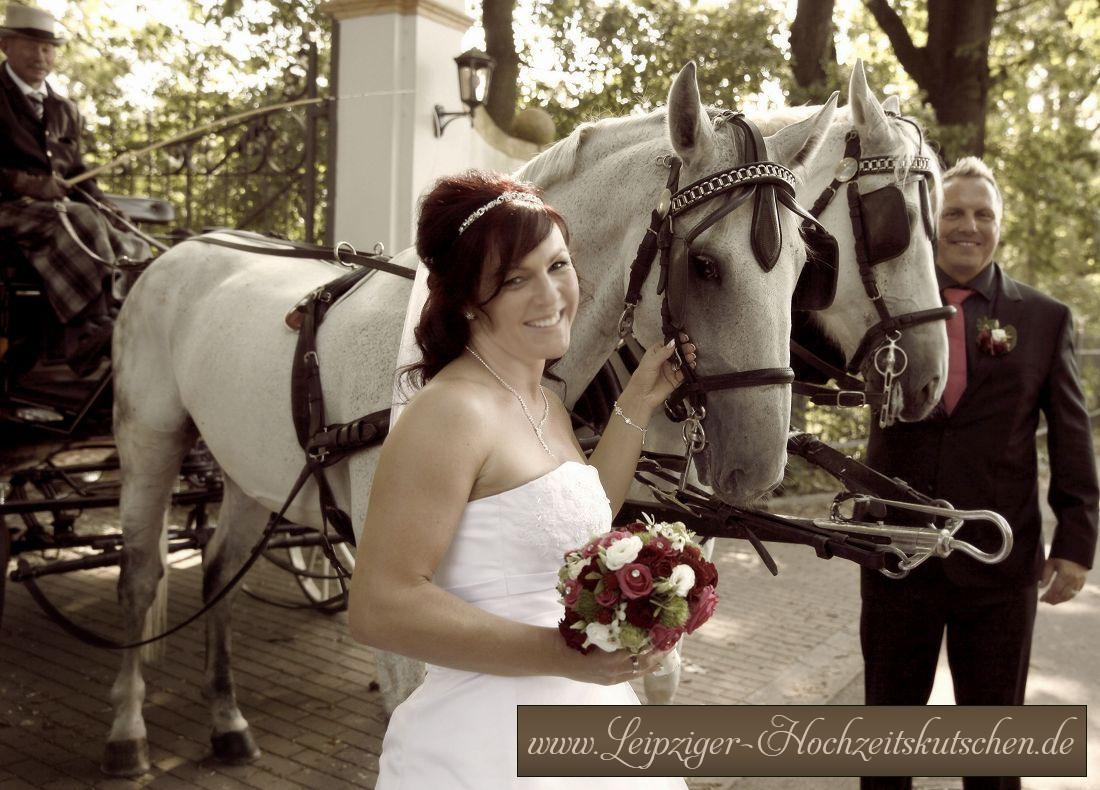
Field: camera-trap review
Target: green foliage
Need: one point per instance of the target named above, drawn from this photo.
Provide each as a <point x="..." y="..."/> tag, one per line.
<point x="621" y="56"/>
<point x="144" y="80"/>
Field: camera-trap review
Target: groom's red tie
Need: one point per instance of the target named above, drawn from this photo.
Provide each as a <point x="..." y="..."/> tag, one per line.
<point x="956" y="345"/>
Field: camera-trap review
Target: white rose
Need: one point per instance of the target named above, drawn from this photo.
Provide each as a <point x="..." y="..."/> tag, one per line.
<point x="621" y="552"/>
<point x="999" y="335"/>
<point x="681" y="580"/>
<point x="601" y="636"/>
<point x="675" y="533"/>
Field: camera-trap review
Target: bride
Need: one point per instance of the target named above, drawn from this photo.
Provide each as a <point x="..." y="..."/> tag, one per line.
<point x="481" y="488"/>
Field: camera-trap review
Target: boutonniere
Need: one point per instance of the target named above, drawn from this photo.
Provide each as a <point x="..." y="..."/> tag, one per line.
<point x="995" y="339"/>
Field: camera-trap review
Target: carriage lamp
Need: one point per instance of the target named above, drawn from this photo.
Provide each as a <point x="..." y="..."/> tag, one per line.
<point x="475" y="69"/>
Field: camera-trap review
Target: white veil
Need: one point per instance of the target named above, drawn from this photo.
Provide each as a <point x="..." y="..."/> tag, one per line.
<point x="408" y="352"/>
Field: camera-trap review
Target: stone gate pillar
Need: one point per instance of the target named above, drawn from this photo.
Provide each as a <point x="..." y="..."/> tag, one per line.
<point x="393" y="62"/>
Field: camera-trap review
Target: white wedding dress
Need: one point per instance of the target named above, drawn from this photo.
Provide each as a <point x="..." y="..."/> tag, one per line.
<point x="457" y="731"/>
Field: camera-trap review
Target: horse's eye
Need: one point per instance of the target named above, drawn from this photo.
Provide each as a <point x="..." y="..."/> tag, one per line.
<point x="705" y="268"/>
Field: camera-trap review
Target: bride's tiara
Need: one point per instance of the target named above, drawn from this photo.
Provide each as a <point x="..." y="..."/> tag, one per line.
<point x="506" y="197"/>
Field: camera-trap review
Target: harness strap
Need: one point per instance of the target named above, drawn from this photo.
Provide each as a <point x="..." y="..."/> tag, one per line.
<point x="851" y="152"/>
<point x="855" y="476"/>
<point x="647" y="249"/>
<point x="725" y="381"/>
<point x="311" y="251"/>
<point x="729" y="521"/>
<point x="880" y="331"/>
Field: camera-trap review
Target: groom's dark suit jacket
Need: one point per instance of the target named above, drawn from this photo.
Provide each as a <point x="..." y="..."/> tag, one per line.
<point x="983" y="455"/>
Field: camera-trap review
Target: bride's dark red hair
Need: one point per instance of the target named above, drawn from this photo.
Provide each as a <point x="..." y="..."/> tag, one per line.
<point x="497" y="239"/>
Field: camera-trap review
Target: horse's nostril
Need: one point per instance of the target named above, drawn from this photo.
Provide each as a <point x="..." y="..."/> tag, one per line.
<point x="931" y="388"/>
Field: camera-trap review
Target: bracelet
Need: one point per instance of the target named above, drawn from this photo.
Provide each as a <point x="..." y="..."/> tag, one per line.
<point x="618" y="410"/>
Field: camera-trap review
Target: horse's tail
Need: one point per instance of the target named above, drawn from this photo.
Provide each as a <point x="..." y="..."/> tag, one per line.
<point x="156" y="618"/>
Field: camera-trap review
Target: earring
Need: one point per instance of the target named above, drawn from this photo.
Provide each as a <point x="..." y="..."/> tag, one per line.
<point x="468" y="316"/>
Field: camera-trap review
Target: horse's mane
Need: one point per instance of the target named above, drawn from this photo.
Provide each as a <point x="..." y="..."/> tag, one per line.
<point x="559" y="162"/>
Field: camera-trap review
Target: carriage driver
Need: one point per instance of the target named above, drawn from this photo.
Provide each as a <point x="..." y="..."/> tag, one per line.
<point x="39" y="147"/>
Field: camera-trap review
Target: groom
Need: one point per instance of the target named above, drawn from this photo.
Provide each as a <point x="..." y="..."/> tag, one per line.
<point x="1011" y="357"/>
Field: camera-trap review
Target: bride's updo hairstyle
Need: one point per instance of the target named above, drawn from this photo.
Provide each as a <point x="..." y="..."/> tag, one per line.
<point x="491" y="243"/>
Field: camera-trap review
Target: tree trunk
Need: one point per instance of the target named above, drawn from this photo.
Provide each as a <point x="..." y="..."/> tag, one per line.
<point x="496" y="18"/>
<point x="811" y="48"/>
<point x="952" y="69"/>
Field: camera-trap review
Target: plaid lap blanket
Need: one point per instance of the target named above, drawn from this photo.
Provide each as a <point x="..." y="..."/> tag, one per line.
<point x="72" y="278"/>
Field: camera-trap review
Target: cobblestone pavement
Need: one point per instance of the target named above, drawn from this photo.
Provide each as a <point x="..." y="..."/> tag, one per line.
<point x="308" y="691"/>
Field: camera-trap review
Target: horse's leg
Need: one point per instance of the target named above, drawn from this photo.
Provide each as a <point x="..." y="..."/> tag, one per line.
<point x="240" y="521"/>
<point x="150" y="460"/>
<point x="661" y="690"/>
<point x="398" y="676"/>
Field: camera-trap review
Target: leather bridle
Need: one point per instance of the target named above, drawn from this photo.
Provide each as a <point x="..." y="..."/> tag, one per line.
<point x="877" y="224"/>
<point x="770" y="185"/>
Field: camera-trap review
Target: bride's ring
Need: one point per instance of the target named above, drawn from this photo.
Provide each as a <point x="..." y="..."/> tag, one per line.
<point x="634" y="665"/>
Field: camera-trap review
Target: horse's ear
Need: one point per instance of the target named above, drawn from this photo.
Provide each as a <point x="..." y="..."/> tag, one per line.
<point x="688" y="123"/>
<point x="892" y="105"/>
<point x="867" y="113"/>
<point x="795" y="145"/>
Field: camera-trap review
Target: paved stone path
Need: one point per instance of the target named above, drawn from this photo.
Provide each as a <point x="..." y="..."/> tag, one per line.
<point x="308" y="691"/>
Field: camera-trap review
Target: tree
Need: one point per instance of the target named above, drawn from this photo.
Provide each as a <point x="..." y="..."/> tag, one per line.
<point x="142" y="80"/>
<point x="813" y="52"/>
<point x="500" y="44"/>
<point x="621" y="56"/>
<point x="952" y="68"/>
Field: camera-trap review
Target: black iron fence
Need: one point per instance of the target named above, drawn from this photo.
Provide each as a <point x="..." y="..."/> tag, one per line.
<point x="264" y="173"/>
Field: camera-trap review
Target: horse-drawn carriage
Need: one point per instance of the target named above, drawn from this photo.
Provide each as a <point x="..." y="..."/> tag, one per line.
<point x="60" y="459"/>
<point x="203" y="345"/>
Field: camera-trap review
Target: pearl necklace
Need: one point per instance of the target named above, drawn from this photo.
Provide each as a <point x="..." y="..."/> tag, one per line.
<point x="537" y="428"/>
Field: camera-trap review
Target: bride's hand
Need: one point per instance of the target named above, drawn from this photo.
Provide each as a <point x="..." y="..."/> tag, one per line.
<point x="607" y="669"/>
<point x="658" y="374"/>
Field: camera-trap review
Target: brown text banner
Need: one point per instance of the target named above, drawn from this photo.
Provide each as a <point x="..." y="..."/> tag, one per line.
<point x="823" y="740"/>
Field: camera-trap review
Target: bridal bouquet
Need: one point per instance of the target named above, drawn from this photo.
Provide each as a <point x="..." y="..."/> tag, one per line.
<point x="641" y="586"/>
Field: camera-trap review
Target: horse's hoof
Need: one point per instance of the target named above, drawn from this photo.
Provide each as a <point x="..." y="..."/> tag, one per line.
<point x="126" y="758"/>
<point x="235" y="747"/>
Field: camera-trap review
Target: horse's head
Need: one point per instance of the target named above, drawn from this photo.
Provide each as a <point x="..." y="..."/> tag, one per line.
<point x="897" y="178"/>
<point x="734" y="260"/>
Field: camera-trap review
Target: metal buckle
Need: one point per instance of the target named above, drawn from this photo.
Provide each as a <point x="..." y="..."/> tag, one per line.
<point x="847" y="399"/>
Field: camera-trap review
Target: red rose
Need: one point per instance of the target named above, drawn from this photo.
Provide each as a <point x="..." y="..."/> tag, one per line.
<point x="605" y="616"/>
<point x="664" y="638"/>
<point x="706" y="575"/>
<point x="611" y="581"/>
<point x="591" y="549"/>
<point x="700" y="607"/>
<point x="692" y="551"/>
<point x="589" y="569"/>
<point x="635" y="580"/>
<point x="661" y="544"/>
<point x="608" y="597"/>
<point x="571" y="591"/>
<point x="639" y="612"/>
<point x="573" y="638"/>
<point x="635" y="527"/>
<point x="658" y="562"/>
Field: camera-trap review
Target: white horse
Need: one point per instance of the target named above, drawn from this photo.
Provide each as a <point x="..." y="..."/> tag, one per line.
<point x="200" y="346"/>
<point x="907" y="283"/>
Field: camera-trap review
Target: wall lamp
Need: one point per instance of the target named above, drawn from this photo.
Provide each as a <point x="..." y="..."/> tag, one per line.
<point x="475" y="69"/>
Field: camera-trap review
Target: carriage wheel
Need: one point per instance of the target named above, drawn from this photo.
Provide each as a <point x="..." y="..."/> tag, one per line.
<point x="5" y="558"/>
<point x="313" y="563"/>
